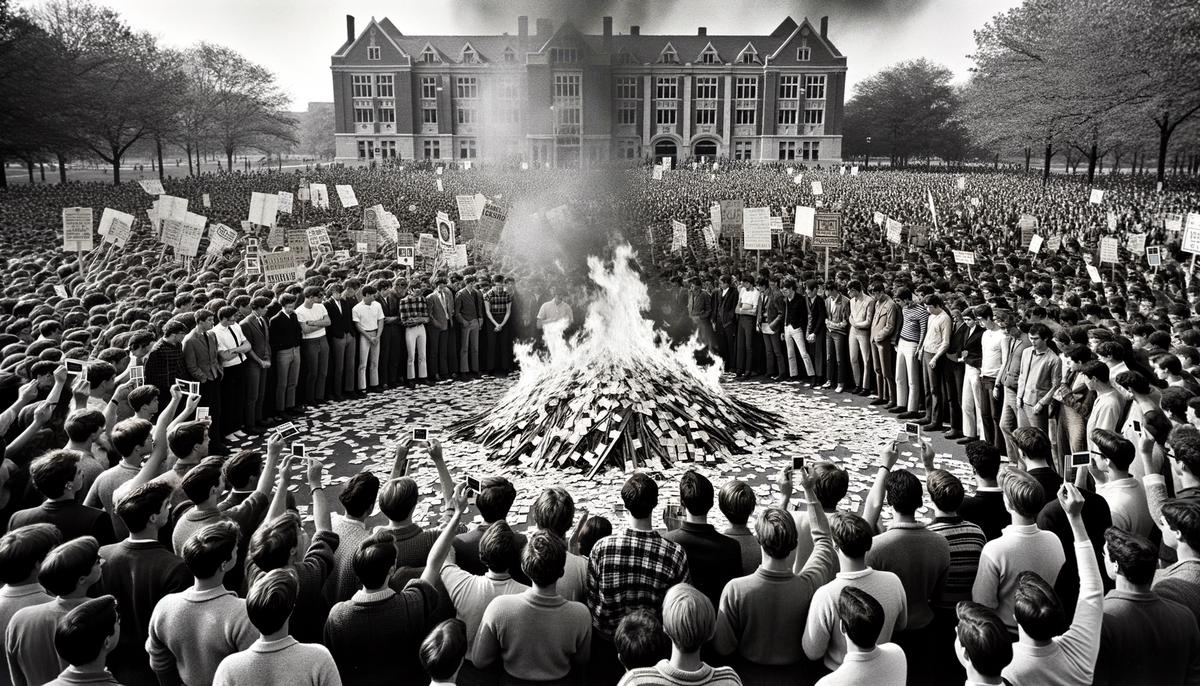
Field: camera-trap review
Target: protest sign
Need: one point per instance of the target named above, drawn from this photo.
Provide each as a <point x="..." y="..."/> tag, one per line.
<point x="1137" y="243"/>
<point x="491" y="223"/>
<point x="657" y="173"/>
<point x="966" y="257"/>
<point x="172" y="232"/>
<point x="172" y="207"/>
<point x="371" y="218"/>
<point x="894" y="233"/>
<point x="710" y="237"/>
<point x="806" y="217"/>
<point x="320" y="195"/>
<point x="206" y="200"/>
<point x="1173" y="222"/>
<point x="714" y="217"/>
<point x="406" y="239"/>
<point x="345" y="194"/>
<point x="467" y="164"/>
<point x="1035" y="244"/>
<point x="77" y="229"/>
<point x="756" y="228"/>
<point x="1193" y="220"/>
<point x="1191" y="239"/>
<point x="666" y="164"/>
<point x="427" y="245"/>
<point x="776" y="225"/>
<point x="263" y="208"/>
<point x="1053" y="243"/>
<point x="439" y="170"/>
<point x="406" y="255"/>
<point x="678" y="235"/>
<point x="1154" y="256"/>
<point x="879" y="218"/>
<point x="285" y="202"/>
<point x="827" y="230"/>
<point x="798" y="179"/>
<point x="1096" y="197"/>
<point x="119" y="231"/>
<point x="297" y="242"/>
<point x="317" y="236"/>
<point x="220" y="237"/>
<point x="853" y="171"/>
<point x="961" y="183"/>
<point x="1094" y="274"/>
<point x="1028" y="224"/>
<point x="445" y="230"/>
<point x="152" y="186"/>
<point x="731" y="217"/>
<point x="191" y="232"/>
<point x="1108" y="249"/>
<point x="281" y="267"/>
<point x="303" y="194"/>
<point x="466" y="207"/>
<point x="1112" y="221"/>
<point x="107" y="217"/>
<point x="389" y="226"/>
<point x="458" y="258"/>
<point x="440" y="187"/>
<point x="816" y="188"/>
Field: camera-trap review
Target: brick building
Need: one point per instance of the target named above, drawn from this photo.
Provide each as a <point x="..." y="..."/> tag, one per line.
<point x="563" y="97"/>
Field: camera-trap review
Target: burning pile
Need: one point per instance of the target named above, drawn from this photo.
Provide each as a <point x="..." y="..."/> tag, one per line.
<point x="616" y="394"/>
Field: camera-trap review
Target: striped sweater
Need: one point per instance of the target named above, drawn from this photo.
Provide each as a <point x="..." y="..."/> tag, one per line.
<point x="664" y="674"/>
<point x="966" y="543"/>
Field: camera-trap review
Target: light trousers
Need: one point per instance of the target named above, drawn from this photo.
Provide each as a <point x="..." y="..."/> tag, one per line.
<point x="797" y="346"/>
<point x="860" y="357"/>
<point x="368" y="362"/>
<point x="972" y="416"/>
<point x="414" y="339"/>
<point x="908" y="375"/>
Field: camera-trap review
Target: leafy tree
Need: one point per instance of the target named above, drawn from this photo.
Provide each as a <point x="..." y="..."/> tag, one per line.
<point x="906" y="110"/>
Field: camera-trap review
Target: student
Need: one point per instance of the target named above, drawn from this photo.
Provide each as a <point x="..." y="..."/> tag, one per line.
<point x="84" y="638"/>
<point x="986" y="507"/>
<point x="689" y="621"/>
<point x="981" y="644"/>
<point x="553" y="511"/>
<point x="192" y="631"/>
<point x="736" y="501"/>
<point x="1181" y="530"/>
<point x="495" y="499"/>
<point x="714" y="559"/>
<point x="21" y="555"/>
<point x="133" y="439"/>
<point x="57" y="476"/>
<point x="276" y="659"/>
<point x="861" y="618"/>
<point x="1125" y="495"/>
<point x="640" y="641"/>
<point x="357" y="498"/>
<point x="442" y="652"/>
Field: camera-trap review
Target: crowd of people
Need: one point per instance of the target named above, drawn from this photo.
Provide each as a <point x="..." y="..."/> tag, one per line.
<point x="140" y="551"/>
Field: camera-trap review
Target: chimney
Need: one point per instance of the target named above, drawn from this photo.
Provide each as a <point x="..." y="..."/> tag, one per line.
<point x="522" y="26"/>
<point x="350" y="35"/>
<point x="635" y="30"/>
<point x="544" y="28"/>
<point x="702" y="31"/>
<point x="824" y="26"/>
<point x="607" y="27"/>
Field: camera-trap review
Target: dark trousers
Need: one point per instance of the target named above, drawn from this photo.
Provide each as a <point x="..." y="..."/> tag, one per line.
<point x="452" y="347"/>
<point x="745" y="344"/>
<point x="314" y="355"/>
<point x="816" y="350"/>
<point x="728" y="344"/>
<point x="256" y="393"/>
<point x="987" y="384"/>
<point x="391" y="355"/>
<point x="936" y="405"/>
<point x="210" y="397"/>
<point x="775" y="354"/>
<point x="342" y="371"/>
<point x="497" y="348"/>
<point x="837" y="361"/>
<point x="883" y="359"/>
<point x="952" y="383"/>
<point x="233" y="399"/>
<point x="437" y="351"/>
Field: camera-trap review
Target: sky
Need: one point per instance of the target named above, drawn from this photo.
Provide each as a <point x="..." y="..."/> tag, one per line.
<point x="295" y="38"/>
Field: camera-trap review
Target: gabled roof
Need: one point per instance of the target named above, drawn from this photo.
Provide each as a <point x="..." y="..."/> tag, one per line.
<point x="708" y="47"/>
<point x="812" y="33"/>
<point x="478" y="55"/>
<point x="385" y="27"/>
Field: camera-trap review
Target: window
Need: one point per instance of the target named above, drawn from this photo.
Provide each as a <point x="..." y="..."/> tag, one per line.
<point x="811" y="150"/>
<point x="665" y="114"/>
<point x="668" y="56"/>
<point x="746" y="88"/>
<point x="564" y="55"/>
<point x="787" y="116"/>
<point x="384" y="87"/>
<point x="466" y="87"/>
<point x="789" y="87"/>
<point x="567" y="120"/>
<point x="707" y="116"/>
<point x="387" y="115"/>
<point x="814" y="115"/>
<point x="666" y="88"/>
<point x="628" y="150"/>
<point x="566" y="85"/>
<point x="509" y="55"/>
<point x="710" y="56"/>
<point x="743" y="150"/>
<point x="748" y="55"/>
<point x="429" y="56"/>
<point x="469" y="56"/>
<point x="429" y="115"/>
<point x="466" y="115"/>
<point x="803" y="54"/>
<point x="373" y="52"/>
<point x="787" y="150"/>
<point x="429" y="87"/>
<point x="706" y="88"/>
<point x="362" y="85"/>
<point x="509" y="90"/>
<point x="364" y="115"/>
<point x="433" y="150"/>
<point x="627" y="88"/>
<point x="627" y="113"/>
<point x="388" y="149"/>
<point x="466" y="149"/>
<point x="743" y="116"/>
<point x="814" y="87"/>
<point x="365" y="152"/>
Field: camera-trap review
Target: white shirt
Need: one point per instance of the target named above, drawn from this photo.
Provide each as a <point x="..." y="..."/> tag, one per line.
<point x="551" y="312"/>
<point x="228" y="338"/>
<point x="368" y="316"/>
<point x="993" y="353"/>
<point x="312" y="314"/>
<point x="747" y="300"/>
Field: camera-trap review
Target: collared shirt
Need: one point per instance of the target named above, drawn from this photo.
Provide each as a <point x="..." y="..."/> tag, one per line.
<point x="939" y="327"/>
<point x="498" y="299"/>
<point x="862" y="311"/>
<point x="308" y="314"/>
<point x="368" y="316"/>
<point x="631" y="570"/>
<point x="228" y="338"/>
<point x="1040" y="372"/>
<point x="748" y="301"/>
<point x="414" y="311"/>
<point x="552" y="312"/>
<point x="916" y="319"/>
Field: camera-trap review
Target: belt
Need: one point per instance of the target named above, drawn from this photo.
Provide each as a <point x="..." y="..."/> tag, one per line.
<point x="370" y="330"/>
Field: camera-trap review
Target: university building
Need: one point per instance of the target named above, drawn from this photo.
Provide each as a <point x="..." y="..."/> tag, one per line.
<point x="561" y="97"/>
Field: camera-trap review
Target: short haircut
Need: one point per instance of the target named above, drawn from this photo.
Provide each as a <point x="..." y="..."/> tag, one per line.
<point x="640" y="495"/>
<point x="695" y="492"/>
<point x="945" y="490"/>
<point x="271" y="545"/>
<point x="100" y="372"/>
<point x="23" y="549"/>
<point x="1033" y="442"/>
<point x="776" y="532"/>
<point x="984" y="459"/>
<point x="688" y="617"/>
<point x="830" y="484"/>
<point x="1136" y="557"/>
<point x="241" y="469"/>
<point x="496" y="496"/>
<point x="1023" y="492"/>
<point x="1114" y="447"/>
<point x="63" y="566"/>
<point x="54" y="471"/>
<point x="1095" y="370"/>
<point x="593" y="529"/>
<point x="984" y="638"/>
<point x="397" y="498"/>
<point x="209" y="548"/>
<point x="227" y="312"/>
<point x="130" y="433"/>
<point x="142" y="503"/>
<point x="1134" y="382"/>
<point x="199" y="481"/>
<point x="554" y="510"/>
<point x="1037" y="607"/>
<point x="142" y="396"/>
<point x="498" y="547"/>
<point x="359" y="493"/>
<point x="81" y="424"/>
<point x="851" y="534"/>
<point x="80" y="635"/>
<point x="736" y="501"/>
<point x="1184" y="517"/>
<point x="443" y="650"/>
<point x="862" y="616"/>
<point x="544" y="558"/>
<point x="271" y="600"/>
<point x="1185" y="446"/>
<point x="374" y="559"/>
<point x="1111" y="349"/>
<point x="184" y="438"/>
<point x="903" y="492"/>
<point x="203" y="316"/>
<point x="640" y="640"/>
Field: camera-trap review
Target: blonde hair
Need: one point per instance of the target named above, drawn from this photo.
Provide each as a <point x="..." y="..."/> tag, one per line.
<point x="688" y="617"/>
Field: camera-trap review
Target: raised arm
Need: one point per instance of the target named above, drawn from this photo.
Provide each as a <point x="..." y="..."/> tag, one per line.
<point x="447" y="483"/>
<point x="320" y="500"/>
<point x="157" y="462"/>
<point x="27" y="394"/>
<point x="874" y="504"/>
<point x="279" y="500"/>
<point x="1081" y="642"/>
<point x="41" y="417"/>
<point x="267" y="478"/>
<point x="441" y="547"/>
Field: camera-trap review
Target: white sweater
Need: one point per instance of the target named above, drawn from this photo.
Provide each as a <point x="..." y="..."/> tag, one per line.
<point x="886" y="665"/>
<point x="1021" y="547"/>
<point x="823" y="638"/>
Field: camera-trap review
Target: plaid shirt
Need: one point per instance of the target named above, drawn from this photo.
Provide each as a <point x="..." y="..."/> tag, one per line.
<point x="629" y="571"/>
<point x="164" y="364"/>
<point x="413" y="309"/>
<point x="497" y="300"/>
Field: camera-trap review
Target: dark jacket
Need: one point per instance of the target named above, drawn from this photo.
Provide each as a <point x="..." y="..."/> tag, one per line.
<point x="726" y="310"/>
<point x="972" y="345"/>
<point x="816" y="316"/>
<point x="284" y="331"/>
<point x="713" y="558"/>
<point x="795" y="312"/>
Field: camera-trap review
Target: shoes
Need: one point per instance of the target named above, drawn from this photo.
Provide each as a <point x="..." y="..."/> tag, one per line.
<point x="911" y="415"/>
<point x="878" y="402"/>
<point x="841" y="389"/>
<point x="825" y="385"/>
<point x="936" y="427"/>
<point x="926" y="423"/>
<point x="966" y="439"/>
<point x="954" y="435"/>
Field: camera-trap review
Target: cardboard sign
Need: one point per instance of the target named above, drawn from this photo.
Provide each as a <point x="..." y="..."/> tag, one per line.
<point x="1112" y="221"/>
<point x="798" y="179"/>
<point x="714" y="217"/>
<point x="281" y="267"/>
<point x="964" y="257"/>
<point x="1173" y="222"/>
<point x="317" y="236"/>
<point x="440" y="187"/>
<point x="1108" y="249"/>
<point x="806" y="219"/>
<point x="678" y="235"/>
<point x="1096" y="197"/>
<point x="346" y="195"/>
<point x="320" y="195"/>
<point x="445" y="230"/>
<point x="710" y="237"/>
<point x="263" y="208"/>
<point x="206" y="200"/>
<point x="1054" y="243"/>
<point x="1154" y="256"/>
<point x="657" y="173"/>
<point x="961" y="183"/>
<point x="77" y="229"/>
<point x="467" y="208"/>
<point x="152" y="186"/>
<point x="190" y="235"/>
<point x="756" y="228"/>
<point x="458" y="258"/>
<point x="108" y="216"/>
<point x="776" y="225"/>
<point x="1193" y="220"/>
<point x="894" y="232"/>
<point x="827" y="231"/>
<point x="1191" y="240"/>
<point x="1094" y="274"/>
<point x="1028" y="224"/>
<point x="879" y="218"/>
<point x="119" y="231"/>
<point x="491" y="223"/>
<point x="1137" y="243"/>
<point x="1035" y="244"/>
<point x="731" y="217"/>
<point x="853" y="171"/>
<point x="427" y="245"/>
<point x="220" y="237"/>
<point x="816" y="188"/>
<point x="285" y="202"/>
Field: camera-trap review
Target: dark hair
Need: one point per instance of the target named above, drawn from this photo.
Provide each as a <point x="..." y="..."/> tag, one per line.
<point x="142" y="503"/>
<point x="443" y="650"/>
<point x="65" y="565"/>
<point x="496" y="496"/>
<point x="498" y="547"/>
<point x="23" y="549"/>
<point x="640" y="640"/>
<point x="359" y="493"/>
<point x="984" y="638"/>
<point x="207" y="549"/>
<point x="1185" y="447"/>
<point x="199" y="481"/>
<point x="554" y="510"/>
<point x="862" y="616"/>
<point x="1095" y="370"/>
<point x="640" y="495"/>
<point x="945" y="489"/>
<point x="241" y="469"/>
<point x="80" y="635"/>
<point x="1037" y="607"/>
<point x="695" y="492"/>
<point x="830" y="484"/>
<point x="1033" y="442"/>
<point x="594" y="529"/>
<point x="851" y="534"/>
<point x="1134" y="382"/>
<point x="184" y="438"/>
<point x="1184" y="517"/>
<point x="984" y="459"/>
<point x="397" y="498"/>
<point x="1136" y="557"/>
<point x="54" y="471"/>
<point x="1025" y="493"/>
<point x="776" y="532"/>
<point x="736" y="501"/>
<point x="81" y="424"/>
<point x="544" y="558"/>
<point x="1114" y="447"/>
<point x="903" y="492"/>
<point x="272" y="543"/>
<point x="271" y="600"/>
<point x="374" y="559"/>
<point x="142" y="396"/>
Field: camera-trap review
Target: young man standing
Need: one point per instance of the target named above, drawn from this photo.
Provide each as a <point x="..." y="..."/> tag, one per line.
<point x="915" y="320"/>
<point x="368" y="320"/>
<point x="285" y="336"/>
<point x="257" y="332"/>
<point x="862" y="314"/>
<point x="84" y="638"/>
<point x="314" y="346"/>
<point x="885" y="326"/>
<point x="468" y="313"/>
<point x="934" y="362"/>
<point x="714" y="559"/>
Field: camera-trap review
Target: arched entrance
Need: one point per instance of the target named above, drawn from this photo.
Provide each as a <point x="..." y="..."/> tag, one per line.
<point x="666" y="148"/>
<point x="705" y="148"/>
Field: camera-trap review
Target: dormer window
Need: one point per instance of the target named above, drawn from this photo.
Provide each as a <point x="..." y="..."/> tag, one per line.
<point x="429" y="55"/>
<point x="668" y="56"/>
<point x="509" y="55"/>
<point x="373" y="52"/>
<point x="710" y="56"/>
<point x="803" y="53"/>
<point x="748" y="56"/>
<point x="564" y="55"/>
<point x="469" y="56"/>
